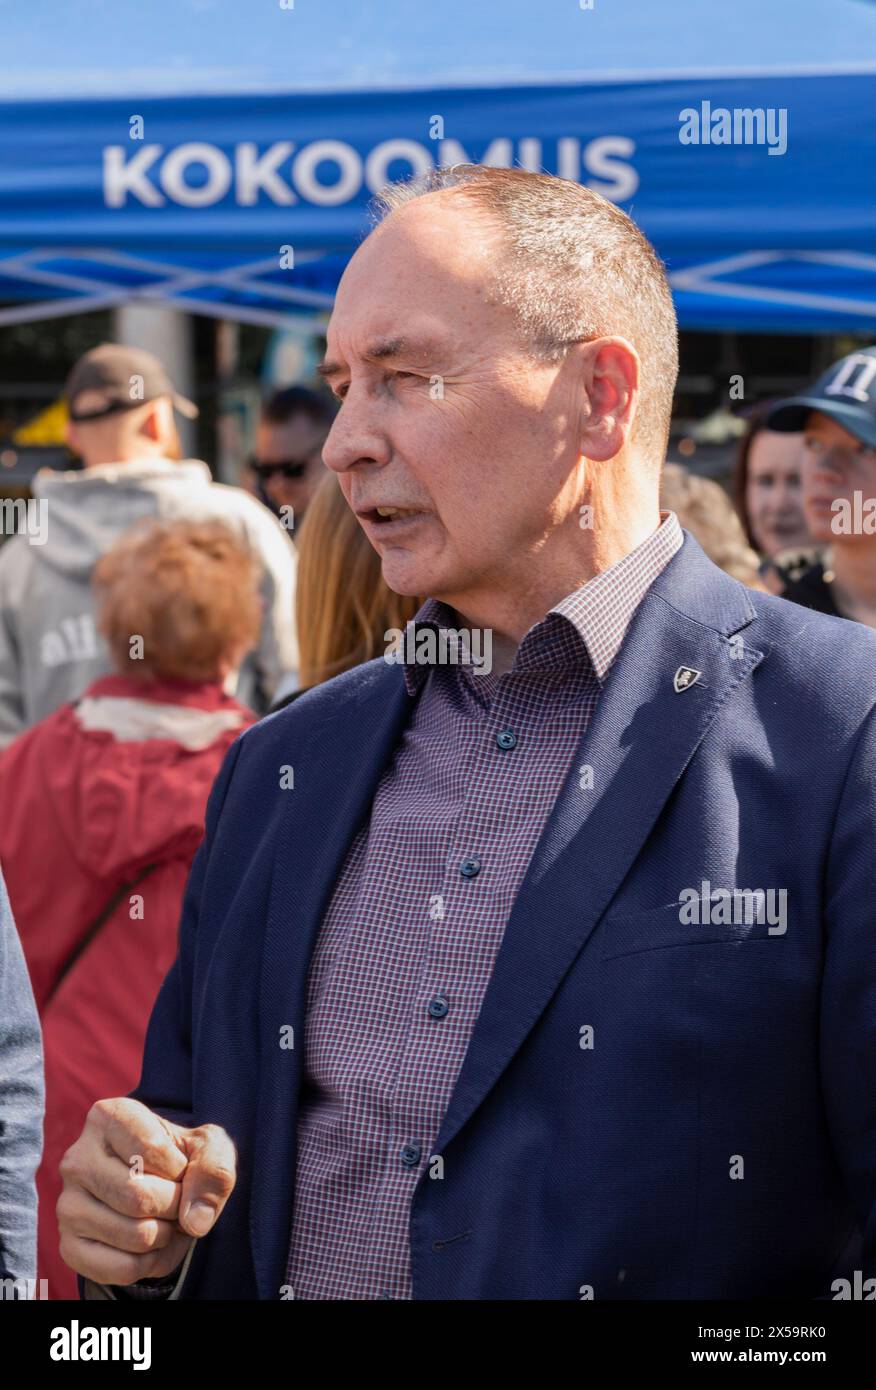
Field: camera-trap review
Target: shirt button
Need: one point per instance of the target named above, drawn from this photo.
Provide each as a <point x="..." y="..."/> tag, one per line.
<point x="438" y="1006"/>
<point x="469" y="868"/>
<point x="410" y="1155"/>
<point x="506" y="739"/>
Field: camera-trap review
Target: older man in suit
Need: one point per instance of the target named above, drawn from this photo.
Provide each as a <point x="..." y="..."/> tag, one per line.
<point x="549" y="974"/>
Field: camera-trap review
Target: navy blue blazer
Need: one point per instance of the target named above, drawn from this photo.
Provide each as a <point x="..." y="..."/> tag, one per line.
<point x="714" y="1136"/>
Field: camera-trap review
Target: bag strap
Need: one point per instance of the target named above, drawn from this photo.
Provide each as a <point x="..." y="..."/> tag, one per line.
<point x="100" y="920"/>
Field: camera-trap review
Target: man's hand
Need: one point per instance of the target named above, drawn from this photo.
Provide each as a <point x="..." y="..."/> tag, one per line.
<point x="136" y="1189"/>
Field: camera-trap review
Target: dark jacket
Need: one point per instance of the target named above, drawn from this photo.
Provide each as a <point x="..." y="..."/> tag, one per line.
<point x="616" y="1168"/>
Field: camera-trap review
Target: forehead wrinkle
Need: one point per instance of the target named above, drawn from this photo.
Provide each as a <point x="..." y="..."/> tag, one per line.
<point x="384" y="349"/>
<point x="409" y="346"/>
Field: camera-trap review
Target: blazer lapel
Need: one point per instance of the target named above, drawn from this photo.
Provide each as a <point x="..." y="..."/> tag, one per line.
<point x="642" y="736"/>
<point x="334" y="786"/>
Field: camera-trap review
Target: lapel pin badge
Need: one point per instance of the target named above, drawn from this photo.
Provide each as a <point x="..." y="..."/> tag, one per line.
<point x="684" y="678"/>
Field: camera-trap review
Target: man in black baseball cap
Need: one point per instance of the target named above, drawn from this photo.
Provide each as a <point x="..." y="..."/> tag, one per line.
<point x="837" y="416"/>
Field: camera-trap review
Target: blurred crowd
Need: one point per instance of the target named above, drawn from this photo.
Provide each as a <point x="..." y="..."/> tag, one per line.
<point x="166" y="612"/>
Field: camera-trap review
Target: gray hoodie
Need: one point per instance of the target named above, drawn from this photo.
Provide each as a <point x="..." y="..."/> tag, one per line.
<point x="22" y="1100"/>
<point x="50" y="649"/>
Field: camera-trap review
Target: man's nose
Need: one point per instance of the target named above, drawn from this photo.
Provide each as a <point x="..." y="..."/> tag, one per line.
<point x="787" y="497"/>
<point x="354" y="438"/>
<point x="830" y="463"/>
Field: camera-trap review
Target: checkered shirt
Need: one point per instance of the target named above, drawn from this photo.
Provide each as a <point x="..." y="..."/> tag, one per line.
<point x="410" y="937"/>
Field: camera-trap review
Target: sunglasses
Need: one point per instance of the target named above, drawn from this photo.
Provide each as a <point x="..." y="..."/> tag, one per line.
<point x="289" y="469"/>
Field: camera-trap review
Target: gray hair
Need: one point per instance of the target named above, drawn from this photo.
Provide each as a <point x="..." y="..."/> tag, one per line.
<point x="575" y="268"/>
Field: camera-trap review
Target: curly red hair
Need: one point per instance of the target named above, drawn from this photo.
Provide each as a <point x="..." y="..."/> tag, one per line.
<point x="189" y="590"/>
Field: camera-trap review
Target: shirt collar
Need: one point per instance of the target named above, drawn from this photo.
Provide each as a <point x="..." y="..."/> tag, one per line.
<point x="603" y="608"/>
<point x="599" y="612"/>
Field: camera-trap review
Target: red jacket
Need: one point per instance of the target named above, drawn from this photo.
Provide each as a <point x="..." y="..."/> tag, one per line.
<point x="87" y="804"/>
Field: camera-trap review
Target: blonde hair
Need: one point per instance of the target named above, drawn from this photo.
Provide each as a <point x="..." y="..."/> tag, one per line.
<point x="342" y="605"/>
<point x="575" y="267"/>
<point x="189" y="590"/>
<point x="704" y="509"/>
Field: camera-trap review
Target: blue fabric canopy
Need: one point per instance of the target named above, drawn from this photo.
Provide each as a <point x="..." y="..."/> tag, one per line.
<point x="745" y="148"/>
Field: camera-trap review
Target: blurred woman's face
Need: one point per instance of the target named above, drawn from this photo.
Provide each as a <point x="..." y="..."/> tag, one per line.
<point x="773" y="494"/>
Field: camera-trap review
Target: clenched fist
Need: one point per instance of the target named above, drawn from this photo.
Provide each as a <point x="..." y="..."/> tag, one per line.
<point x="136" y="1189"/>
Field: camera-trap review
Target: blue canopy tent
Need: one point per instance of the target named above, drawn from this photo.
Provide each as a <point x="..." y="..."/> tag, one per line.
<point x="219" y="157"/>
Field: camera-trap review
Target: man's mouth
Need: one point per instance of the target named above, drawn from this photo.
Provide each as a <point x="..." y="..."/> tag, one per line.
<point x="379" y="516"/>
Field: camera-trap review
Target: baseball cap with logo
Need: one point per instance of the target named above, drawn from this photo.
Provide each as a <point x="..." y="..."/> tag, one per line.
<point x="111" y="377"/>
<point x="845" y="393"/>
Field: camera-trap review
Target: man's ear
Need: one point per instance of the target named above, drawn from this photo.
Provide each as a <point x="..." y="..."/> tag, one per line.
<point x="150" y="425"/>
<point x="612" y="387"/>
<point x="71" y="438"/>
